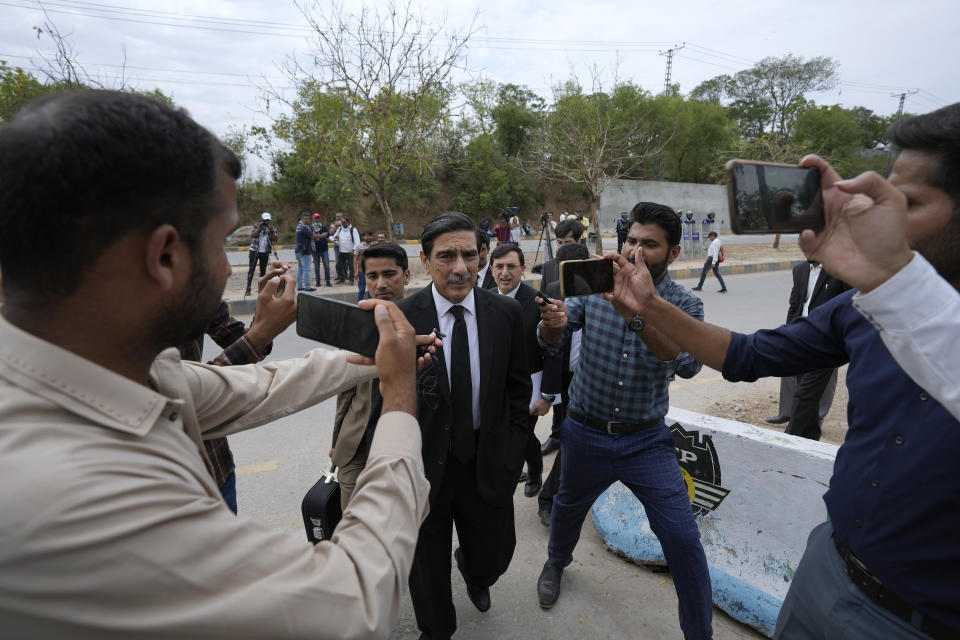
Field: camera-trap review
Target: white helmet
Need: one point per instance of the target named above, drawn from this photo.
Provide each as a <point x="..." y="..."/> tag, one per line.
<point x="265" y="216"/>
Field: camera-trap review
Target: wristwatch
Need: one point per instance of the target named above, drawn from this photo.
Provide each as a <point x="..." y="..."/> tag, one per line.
<point x="636" y="323"/>
<point x="548" y="397"/>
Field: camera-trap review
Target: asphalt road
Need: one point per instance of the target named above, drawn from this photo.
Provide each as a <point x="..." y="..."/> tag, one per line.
<point x="238" y="258"/>
<point x="603" y="596"/>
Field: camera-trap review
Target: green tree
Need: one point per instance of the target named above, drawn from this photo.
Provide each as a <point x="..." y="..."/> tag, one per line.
<point x="831" y="132"/>
<point x="17" y="87"/>
<point x="592" y="139"/>
<point x="516" y="115"/>
<point x="701" y="132"/>
<point x="374" y="99"/>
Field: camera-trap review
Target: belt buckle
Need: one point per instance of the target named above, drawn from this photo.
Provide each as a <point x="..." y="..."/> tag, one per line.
<point x="609" y="428"/>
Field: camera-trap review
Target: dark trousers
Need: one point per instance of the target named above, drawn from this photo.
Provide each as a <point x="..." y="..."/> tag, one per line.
<point x="822" y="602"/>
<point x="487" y="540"/>
<point x="552" y="482"/>
<point x="254" y="258"/>
<point x="646" y="463"/>
<point x="805" y="413"/>
<point x="345" y="265"/>
<point x="716" y="271"/>
<point x="336" y="263"/>
<point x="532" y="454"/>
<point x="319" y="256"/>
<point x="621" y="239"/>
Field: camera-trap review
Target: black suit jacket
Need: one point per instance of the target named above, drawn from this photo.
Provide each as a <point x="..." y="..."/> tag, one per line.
<point x="556" y="373"/>
<point x="550" y="274"/>
<point x="504" y="394"/>
<point x="488" y="281"/>
<point x="827" y="287"/>
<point x="527" y="297"/>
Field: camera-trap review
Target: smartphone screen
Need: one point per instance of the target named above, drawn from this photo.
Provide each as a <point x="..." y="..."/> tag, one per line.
<point x="771" y="198"/>
<point x="585" y="277"/>
<point x="338" y="324"/>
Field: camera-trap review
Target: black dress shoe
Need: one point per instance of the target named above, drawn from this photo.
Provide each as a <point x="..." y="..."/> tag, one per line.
<point x="551" y="445"/>
<point x="548" y="585"/>
<point x="479" y="596"/>
<point x="777" y="419"/>
<point x="545" y="512"/>
<point x="533" y="485"/>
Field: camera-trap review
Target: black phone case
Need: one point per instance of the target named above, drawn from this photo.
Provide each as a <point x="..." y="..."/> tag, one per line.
<point x="338" y="324"/>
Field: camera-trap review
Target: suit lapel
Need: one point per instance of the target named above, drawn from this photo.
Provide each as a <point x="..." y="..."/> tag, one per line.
<point x="484" y="338"/>
<point x="822" y="283"/>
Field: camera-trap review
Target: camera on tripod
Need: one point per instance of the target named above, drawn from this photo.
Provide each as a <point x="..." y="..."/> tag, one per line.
<point x="545" y="218"/>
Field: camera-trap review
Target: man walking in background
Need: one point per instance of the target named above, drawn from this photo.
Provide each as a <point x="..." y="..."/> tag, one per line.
<point x="321" y="236"/>
<point x="714" y="258"/>
<point x="262" y="237"/>
<point x="349" y="238"/>
<point x="304" y="251"/>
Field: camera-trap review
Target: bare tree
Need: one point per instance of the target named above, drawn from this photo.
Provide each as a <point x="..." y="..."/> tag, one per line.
<point x="372" y="93"/>
<point x="592" y="139"/>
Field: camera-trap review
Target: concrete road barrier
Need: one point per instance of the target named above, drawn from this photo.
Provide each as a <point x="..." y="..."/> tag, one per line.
<point x="757" y="494"/>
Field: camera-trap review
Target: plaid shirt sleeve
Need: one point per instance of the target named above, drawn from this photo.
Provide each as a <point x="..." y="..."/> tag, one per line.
<point x="229" y="333"/>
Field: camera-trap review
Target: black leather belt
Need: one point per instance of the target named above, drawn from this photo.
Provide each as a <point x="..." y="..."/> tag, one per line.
<point x="874" y="589"/>
<point x="613" y="428"/>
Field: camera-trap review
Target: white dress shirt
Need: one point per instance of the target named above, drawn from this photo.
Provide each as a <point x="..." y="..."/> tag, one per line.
<point x="446" y="320"/>
<point x="811" y="285"/>
<point x="917" y="313"/>
<point x="713" y="251"/>
<point x="482" y="274"/>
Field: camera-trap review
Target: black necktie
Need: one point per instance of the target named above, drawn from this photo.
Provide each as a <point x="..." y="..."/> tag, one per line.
<point x="461" y="390"/>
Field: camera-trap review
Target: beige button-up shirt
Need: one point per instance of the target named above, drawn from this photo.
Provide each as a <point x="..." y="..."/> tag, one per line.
<point x="111" y="525"/>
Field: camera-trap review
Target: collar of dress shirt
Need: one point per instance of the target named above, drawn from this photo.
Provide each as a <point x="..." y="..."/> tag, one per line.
<point x="443" y="305"/>
<point x="76" y="384"/>
<point x="510" y="294"/>
<point x="481" y="274"/>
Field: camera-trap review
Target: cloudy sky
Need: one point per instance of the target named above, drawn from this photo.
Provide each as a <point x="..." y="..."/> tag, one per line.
<point x="212" y="54"/>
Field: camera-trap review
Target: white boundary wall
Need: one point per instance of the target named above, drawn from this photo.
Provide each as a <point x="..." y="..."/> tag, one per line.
<point x="755" y="538"/>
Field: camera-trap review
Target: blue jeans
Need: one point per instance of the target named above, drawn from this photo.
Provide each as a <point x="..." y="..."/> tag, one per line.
<point x="646" y="463"/>
<point x="361" y="286"/>
<point x="229" y="491"/>
<point x="317" y="257"/>
<point x="716" y="271"/>
<point x="303" y="270"/>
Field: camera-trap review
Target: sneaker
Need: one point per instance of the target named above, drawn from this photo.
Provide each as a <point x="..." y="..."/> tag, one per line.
<point x="722" y="291"/>
<point x="309" y="289"/>
<point x="697" y="289"/>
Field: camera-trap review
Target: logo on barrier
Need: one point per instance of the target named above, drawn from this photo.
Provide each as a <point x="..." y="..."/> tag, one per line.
<point x="700" y="468"/>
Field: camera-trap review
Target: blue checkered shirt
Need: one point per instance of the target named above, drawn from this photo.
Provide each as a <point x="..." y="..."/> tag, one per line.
<point x="618" y="378"/>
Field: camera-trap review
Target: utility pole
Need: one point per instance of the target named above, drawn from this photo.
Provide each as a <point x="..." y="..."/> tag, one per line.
<point x="669" y="54"/>
<point x="666" y="90"/>
<point x="903" y="98"/>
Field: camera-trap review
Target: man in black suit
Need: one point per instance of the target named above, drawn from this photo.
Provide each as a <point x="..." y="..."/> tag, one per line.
<point x="508" y="268"/>
<point x="473" y="404"/>
<point x="484" y="274"/>
<point x="812" y="392"/>
<point x="567" y="231"/>
<point x="557" y="376"/>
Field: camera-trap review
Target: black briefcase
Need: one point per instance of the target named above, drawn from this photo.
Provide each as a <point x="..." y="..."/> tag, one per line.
<point x="321" y="507"/>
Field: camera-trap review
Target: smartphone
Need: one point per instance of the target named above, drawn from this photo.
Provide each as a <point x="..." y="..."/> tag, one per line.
<point x="766" y="197"/>
<point x="585" y="277"/>
<point x="338" y="324"/>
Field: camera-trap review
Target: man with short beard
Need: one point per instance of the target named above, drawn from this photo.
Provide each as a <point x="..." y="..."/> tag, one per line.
<point x="615" y="427"/>
<point x="113" y="526"/>
<point x="886" y="561"/>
